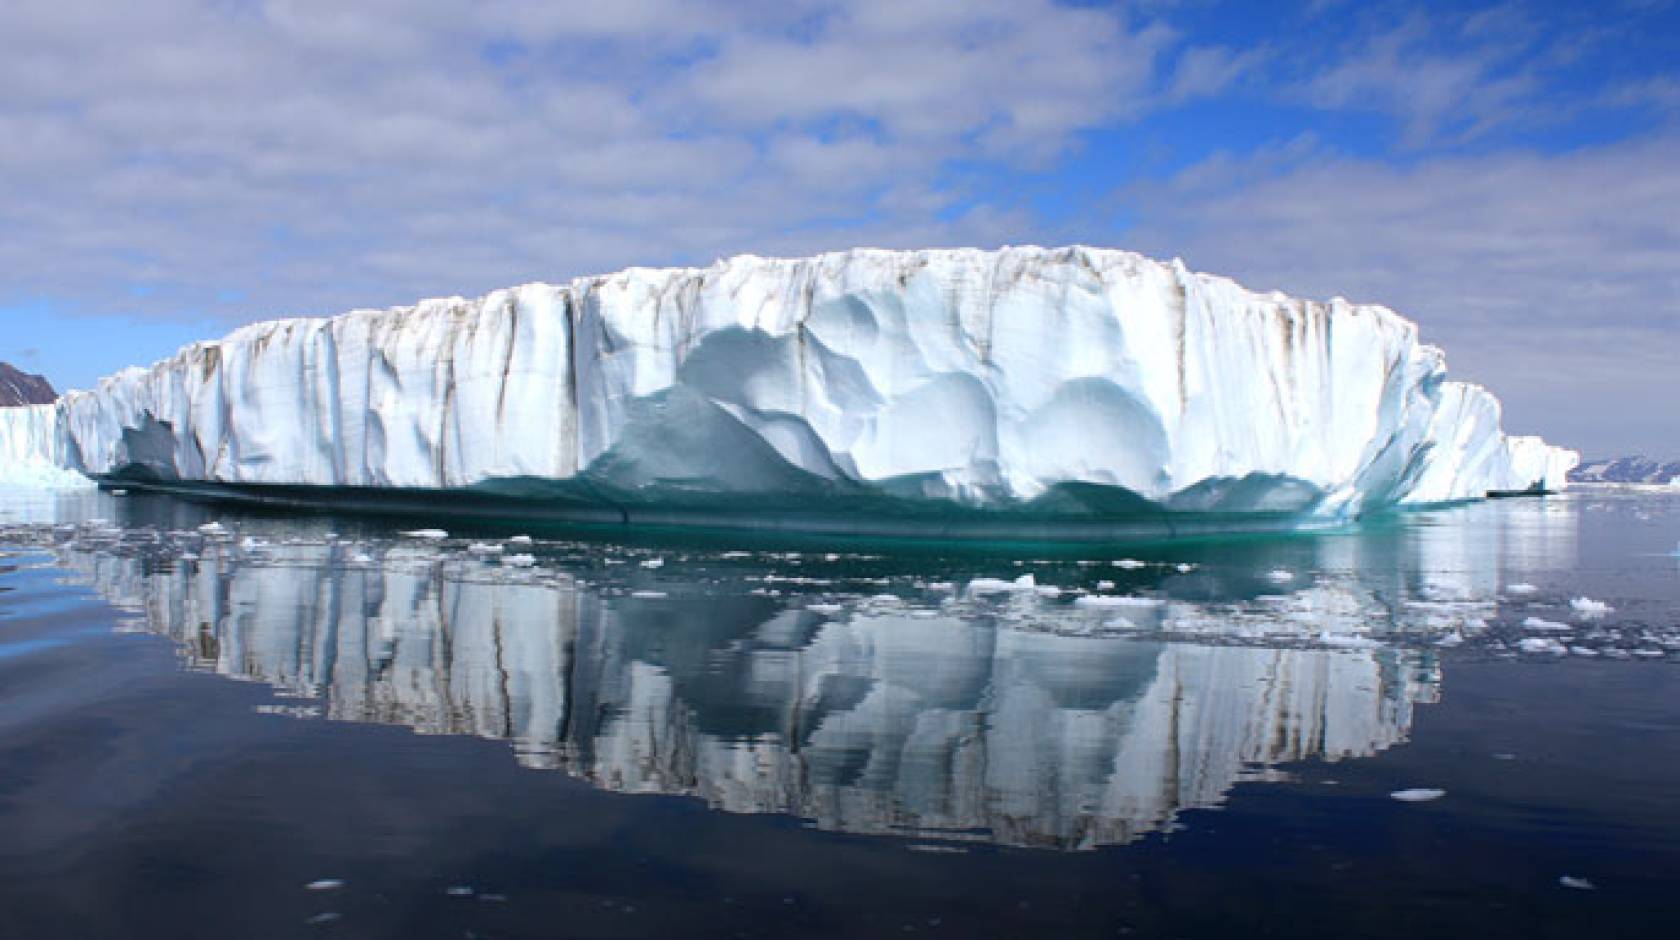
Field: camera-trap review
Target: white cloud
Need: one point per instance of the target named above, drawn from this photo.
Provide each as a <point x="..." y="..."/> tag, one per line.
<point x="315" y="155"/>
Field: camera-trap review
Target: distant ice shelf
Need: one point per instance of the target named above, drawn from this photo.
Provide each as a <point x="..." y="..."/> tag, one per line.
<point x="1039" y="386"/>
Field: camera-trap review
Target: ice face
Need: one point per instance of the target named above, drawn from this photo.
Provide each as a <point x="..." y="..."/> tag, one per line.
<point x="31" y="452"/>
<point x="1072" y="381"/>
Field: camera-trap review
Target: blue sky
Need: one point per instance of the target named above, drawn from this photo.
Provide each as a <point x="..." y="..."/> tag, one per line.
<point x="1506" y="174"/>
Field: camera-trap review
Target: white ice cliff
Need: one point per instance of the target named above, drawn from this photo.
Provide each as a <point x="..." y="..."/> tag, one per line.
<point x="31" y="450"/>
<point x="1064" y="382"/>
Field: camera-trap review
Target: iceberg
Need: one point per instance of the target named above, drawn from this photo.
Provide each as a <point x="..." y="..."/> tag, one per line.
<point x="1017" y="387"/>
<point x="31" y="452"/>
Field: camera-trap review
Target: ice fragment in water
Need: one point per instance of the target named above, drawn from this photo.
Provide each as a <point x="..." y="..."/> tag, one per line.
<point x="1579" y="884"/>
<point x="1587" y="607"/>
<point x="1520" y="588"/>
<point x="1418" y="794"/>
<point x="1537" y="644"/>
<point x="324" y="884"/>
<point x="519" y="561"/>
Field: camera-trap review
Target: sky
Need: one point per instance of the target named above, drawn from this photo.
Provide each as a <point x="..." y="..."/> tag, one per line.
<point x="1507" y="175"/>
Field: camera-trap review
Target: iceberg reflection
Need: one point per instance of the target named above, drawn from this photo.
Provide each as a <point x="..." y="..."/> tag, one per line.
<point x="958" y="723"/>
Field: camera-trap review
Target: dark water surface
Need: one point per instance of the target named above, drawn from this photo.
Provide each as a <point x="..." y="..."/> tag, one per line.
<point x="648" y="738"/>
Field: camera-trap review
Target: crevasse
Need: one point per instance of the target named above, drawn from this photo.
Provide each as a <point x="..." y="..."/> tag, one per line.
<point x="1069" y="381"/>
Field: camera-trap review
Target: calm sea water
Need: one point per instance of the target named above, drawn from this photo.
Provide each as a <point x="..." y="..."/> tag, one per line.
<point x="227" y="725"/>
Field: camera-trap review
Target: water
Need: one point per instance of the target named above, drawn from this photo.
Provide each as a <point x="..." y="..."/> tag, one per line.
<point x="312" y="726"/>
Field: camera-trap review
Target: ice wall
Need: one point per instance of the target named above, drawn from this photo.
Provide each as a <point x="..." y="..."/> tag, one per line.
<point x="1052" y="380"/>
<point x="31" y="450"/>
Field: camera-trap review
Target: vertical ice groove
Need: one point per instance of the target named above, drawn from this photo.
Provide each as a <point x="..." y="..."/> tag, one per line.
<point x="876" y="365"/>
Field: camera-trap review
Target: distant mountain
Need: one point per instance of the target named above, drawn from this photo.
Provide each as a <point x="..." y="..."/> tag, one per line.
<point x="21" y="388"/>
<point x="1625" y="470"/>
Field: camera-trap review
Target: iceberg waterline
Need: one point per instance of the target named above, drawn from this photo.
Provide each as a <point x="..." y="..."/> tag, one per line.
<point x="1062" y="383"/>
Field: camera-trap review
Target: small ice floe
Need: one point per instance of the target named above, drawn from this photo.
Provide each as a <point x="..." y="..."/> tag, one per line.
<point x="118" y="492"/>
<point x="1648" y="653"/>
<point x="324" y="884"/>
<point x="1417" y="794"/>
<point x="325" y="917"/>
<point x="430" y="535"/>
<point x="1049" y="590"/>
<point x="520" y="540"/>
<point x="187" y="556"/>
<point x="1105" y="585"/>
<point x="1280" y="575"/>
<point x="484" y="548"/>
<point x="982" y="586"/>
<point x="650" y="595"/>
<point x="654" y="563"/>
<point x="212" y="528"/>
<point x="1454" y="638"/>
<point x="1578" y="884"/>
<point x="251" y="543"/>
<point x="361" y="558"/>
<point x="1111" y="601"/>
<point x="734" y="555"/>
<point x="1184" y="567"/>
<point x="825" y="608"/>
<point x="1542" y="645"/>
<point x="1585" y="651"/>
<point x="518" y="561"/>
<point x="1130" y="564"/>
<point x="459" y="891"/>
<point x="1347" y="641"/>
<point x="1520" y="588"/>
<point x="1587" y="607"/>
<point x="1539" y="625"/>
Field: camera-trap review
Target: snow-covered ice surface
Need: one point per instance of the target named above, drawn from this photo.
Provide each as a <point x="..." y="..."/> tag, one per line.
<point x="1067" y="383"/>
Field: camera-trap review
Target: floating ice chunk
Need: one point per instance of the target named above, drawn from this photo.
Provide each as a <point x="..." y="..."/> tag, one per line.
<point x="212" y="528"/>
<point x="735" y="554"/>
<point x="459" y="891"/>
<point x="1578" y="884"/>
<point x="324" y="884"/>
<point x="520" y="540"/>
<point x="1521" y="587"/>
<point x="1584" y="651"/>
<point x="361" y="558"/>
<point x="432" y="535"/>
<point x="649" y="595"/>
<point x="325" y="917"/>
<point x="1417" y="794"/>
<point x="518" y="561"/>
<point x="1649" y="653"/>
<point x="1454" y="638"/>
<point x="1587" y="607"/>
<point x="1280" y="575"/>
<point x="1184" y="568"/>
<point x="1112" y="601"/>
<point x="654" y="563"/>
<point x="983" y="586"/>
<point x="1347" y="641"/>
<point x="1131" y="564"/>
<point x="1121" y="623"/>
<point x="187" y="556"/>
<point x="825" y="608"/>
<point x="484" y="548"/>
<point x="1049" y="590"/>
<point x="1540" y="644"/>
<point x="1539" y="625"/>
<point x="251" y="543"/>
<point x="1105" y="585"/>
